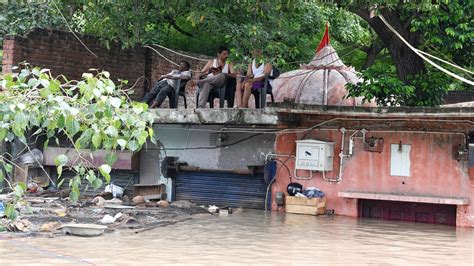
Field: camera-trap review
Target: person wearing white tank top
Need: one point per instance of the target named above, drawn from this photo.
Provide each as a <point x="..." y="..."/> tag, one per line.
<point x="255" y="78"/>
<point x="216" y="71"/>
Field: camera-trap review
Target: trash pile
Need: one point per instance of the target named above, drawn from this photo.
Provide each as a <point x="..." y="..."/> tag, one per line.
<point x="223" y="211"/>
<point x="111" y="210"/>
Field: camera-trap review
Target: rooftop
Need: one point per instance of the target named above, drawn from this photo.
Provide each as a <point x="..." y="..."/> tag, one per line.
<point x="224" y="116"/>
<point x="456" y="119"/>
<point x="447" y="112"/>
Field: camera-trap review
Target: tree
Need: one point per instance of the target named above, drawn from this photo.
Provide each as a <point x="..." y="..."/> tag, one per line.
<point x="93" y="113"/>
<point x="20" y="16"/>
<point x="288" y="30"/>
<point x="442" y="27"/>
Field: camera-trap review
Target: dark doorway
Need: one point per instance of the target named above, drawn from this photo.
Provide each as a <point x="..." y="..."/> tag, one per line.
<point x="407" y="211"/>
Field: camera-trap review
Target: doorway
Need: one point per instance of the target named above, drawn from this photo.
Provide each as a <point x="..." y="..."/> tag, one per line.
<point x="407" y="211"/>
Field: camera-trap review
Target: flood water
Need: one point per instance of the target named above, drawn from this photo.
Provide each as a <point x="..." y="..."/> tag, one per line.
<point x="253" y="237"/>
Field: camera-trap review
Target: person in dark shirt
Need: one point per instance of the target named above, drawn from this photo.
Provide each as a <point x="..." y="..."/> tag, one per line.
<point x="167" y="85"/>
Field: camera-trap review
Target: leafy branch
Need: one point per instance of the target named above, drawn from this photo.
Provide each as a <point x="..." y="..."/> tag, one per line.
<point x="92" y="113"/>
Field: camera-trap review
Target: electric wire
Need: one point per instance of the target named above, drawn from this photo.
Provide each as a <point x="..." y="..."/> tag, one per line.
<point x="416" y="51"/>
<point x="209" y="147"/>
<point x="302" y="130"/>
<point x="446" y="62"/>
<point x="73" y="33"/>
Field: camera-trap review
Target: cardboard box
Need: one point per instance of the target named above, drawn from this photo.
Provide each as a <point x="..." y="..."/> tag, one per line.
<point x="315" y="206"/>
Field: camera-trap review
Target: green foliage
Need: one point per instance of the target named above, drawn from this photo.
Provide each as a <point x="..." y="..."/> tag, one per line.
<point x="448" y="29"/>
<point x="287" y="30"/>
<point x="19" y="16"/>
<point x="385" y="88"/>
<point x="93" y="113"/>
<point x="443" y="28"/>
<point x="18" y="192"/>
<point x="380" y="83"/>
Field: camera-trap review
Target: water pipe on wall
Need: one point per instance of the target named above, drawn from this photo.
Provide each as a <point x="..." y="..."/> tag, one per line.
<point x="351" y="148"/>
<point x="301" y="177"/>
<point x="364" y="131"/>
<point x="352" y="137"/>
<point x="269" y="155"/>
<point x="341" y="161"/>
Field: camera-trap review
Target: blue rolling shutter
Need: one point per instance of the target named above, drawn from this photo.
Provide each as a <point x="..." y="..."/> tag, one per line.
<point x="221" y="189"/>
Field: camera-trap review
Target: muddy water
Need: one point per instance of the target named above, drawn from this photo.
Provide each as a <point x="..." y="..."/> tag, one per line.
<point x="256" y="238"/>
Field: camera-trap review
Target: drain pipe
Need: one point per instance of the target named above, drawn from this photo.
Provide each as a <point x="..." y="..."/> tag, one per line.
<point x="351" y="140"/>
<point x="341" y="161"/>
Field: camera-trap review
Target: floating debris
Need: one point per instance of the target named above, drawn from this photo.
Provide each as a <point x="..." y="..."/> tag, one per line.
<point x="85" y="229"/>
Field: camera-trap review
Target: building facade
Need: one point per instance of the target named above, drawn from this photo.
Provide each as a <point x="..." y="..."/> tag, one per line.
<point x="409" y="164"/>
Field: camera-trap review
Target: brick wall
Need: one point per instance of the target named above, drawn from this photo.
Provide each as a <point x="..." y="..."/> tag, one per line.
<point x="160" y="66"/>
<point x="61" y="52"/>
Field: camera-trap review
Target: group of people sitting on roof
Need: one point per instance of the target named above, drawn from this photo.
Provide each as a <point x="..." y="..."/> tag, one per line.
<point x="216" y="74"/>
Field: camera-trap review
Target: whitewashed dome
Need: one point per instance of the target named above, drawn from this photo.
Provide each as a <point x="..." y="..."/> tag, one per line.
<point x="322" y="81"/>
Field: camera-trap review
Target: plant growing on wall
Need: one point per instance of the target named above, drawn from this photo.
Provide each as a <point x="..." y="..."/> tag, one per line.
<point x="91" y="113"/>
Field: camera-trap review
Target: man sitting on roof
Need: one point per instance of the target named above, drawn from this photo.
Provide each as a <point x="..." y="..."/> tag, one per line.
<point x="166" y="86"/>
<point x="255" y="78"/>
<point x="216" y="71"/>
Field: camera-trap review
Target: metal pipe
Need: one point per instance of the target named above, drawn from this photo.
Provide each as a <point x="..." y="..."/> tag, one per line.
<point x="341" y="161"/>
<point x="248" y="130"/>
<point x="342" y="155"/>
<point x="278" y="155"/>
<point x="423" y="132"/>
<point x="296" y="130"/>
<point x="400" y="131"/>
<point x="302" y="178"/>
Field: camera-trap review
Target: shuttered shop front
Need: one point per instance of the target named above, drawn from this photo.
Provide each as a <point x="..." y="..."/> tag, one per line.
<point x="221" y="189"/>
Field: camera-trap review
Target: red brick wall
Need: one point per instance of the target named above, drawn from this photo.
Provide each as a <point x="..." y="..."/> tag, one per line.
<point x="61" y="52"/>
<point x="161" y="66"/>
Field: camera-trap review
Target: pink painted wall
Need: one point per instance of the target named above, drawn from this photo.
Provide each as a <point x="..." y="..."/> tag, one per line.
<point x="434" y="171"/>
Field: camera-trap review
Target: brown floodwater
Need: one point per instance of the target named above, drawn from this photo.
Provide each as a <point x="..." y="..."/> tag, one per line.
<point x="253" y="237"/>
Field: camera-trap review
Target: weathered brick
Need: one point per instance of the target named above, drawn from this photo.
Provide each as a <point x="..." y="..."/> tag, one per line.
<point x="62" y="53"/>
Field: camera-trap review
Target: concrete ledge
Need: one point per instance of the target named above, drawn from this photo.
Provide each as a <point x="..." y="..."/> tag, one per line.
<point x="407" y="198"/>
<point x="215" y="116"/>
<point x="357" y="111"/>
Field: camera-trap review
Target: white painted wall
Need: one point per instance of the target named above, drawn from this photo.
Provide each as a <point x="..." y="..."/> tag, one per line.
<point x="181" y="141"/>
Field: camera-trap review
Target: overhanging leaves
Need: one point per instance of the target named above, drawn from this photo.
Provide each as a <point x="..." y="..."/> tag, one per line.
<point x="81" y="121"/>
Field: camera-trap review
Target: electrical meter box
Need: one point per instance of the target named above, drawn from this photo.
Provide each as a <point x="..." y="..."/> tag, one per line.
<point x="314" y="155"/>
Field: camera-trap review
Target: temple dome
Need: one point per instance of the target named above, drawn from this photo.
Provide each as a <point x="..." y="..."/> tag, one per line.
<point x="322" y="81"/>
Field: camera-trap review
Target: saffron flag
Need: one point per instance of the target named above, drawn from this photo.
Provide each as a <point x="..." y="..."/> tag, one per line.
<point x="324" y="40"/>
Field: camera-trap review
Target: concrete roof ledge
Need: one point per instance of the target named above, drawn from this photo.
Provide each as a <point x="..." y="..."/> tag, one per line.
<point x="232" y="116"/>
<point x="298" y="108"/>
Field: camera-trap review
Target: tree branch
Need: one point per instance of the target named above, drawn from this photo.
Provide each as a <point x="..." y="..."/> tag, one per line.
<point x="173" y="23"/>
<point x="372" y="53"/>
<point x="363" y="13"/>
<point x="407" y="23"/>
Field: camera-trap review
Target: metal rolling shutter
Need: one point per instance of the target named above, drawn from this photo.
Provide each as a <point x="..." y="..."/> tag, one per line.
<point x="221" y="189"/>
